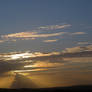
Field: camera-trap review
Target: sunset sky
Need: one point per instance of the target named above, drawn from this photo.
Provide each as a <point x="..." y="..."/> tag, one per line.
<point x="32" y="32"/>
<point x="46" y="25"/>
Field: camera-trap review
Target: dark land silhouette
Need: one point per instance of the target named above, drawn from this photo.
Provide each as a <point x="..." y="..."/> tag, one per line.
<point x="56" y="89"/>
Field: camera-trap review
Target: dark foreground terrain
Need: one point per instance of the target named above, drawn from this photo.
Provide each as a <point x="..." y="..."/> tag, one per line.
<point x="58" y="89"/>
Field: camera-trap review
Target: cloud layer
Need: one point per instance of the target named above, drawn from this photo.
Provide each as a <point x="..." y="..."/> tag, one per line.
<point x="39" y="33"/>
<point x="27" y="62"/>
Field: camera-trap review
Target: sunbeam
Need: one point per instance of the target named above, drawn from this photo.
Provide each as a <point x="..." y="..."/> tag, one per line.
<point x="6" y="80"/>
<point x="22" y="81"/>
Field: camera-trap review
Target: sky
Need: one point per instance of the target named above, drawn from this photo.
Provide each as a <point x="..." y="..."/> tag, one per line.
<point x="45" y="43"/>
<point x="44" y="17"/>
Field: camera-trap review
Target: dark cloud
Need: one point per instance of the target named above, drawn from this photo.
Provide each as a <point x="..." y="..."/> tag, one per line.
<point x="8" y="66"/>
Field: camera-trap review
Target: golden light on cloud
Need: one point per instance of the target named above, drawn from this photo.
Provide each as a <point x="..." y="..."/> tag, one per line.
<point x="28" y="36"/>
<point x="49" y="41"/>
<point x="19" y="35"/>
<point x="44" y="64"/>
<point x="31" y="35"/>
<point x="22" y="55"/>
<point x="15" y="56"/>
<point x="38" y="54"/>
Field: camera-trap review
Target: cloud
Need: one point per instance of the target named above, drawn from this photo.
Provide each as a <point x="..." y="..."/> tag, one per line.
<point x="78" y="33"/>
<point x="24" y="55"/>
<point x="78" y="49"/>
<point x="84" y="43"/>
<point x="15" y="56"/>
<point x="1" y="41"/>
<point x="19" y="56"/>
<point x="39" y="54"/>
<point x="49" y="41"/>
<point x="89" y="47"/>
<point x="10" y="66"/>
<point x="45" y="64"/>
<point x="32" y="35"/>
<point x="27" y="61"/>
<point x="28" y="36"/>
<point x="18" y="61"/>
<point x="74" y="49"/>
<point x="54" y="27"/>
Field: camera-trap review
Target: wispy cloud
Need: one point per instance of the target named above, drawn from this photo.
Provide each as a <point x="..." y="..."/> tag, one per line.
<point x="82" y="43"/>
<point x="54" y="27"/>
<point x="28" y="36"/>
<point x="31" y="35"/>
<point x="49" y="41"/>
<point x="78" y="33"/>
<point x="34" y="34"/>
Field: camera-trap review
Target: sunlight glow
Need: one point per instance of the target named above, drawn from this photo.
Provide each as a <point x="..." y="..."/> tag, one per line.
<point x="23" y="55"/>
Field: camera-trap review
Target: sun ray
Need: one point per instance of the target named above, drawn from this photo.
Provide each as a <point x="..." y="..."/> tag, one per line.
<point x="6" y="81"/>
